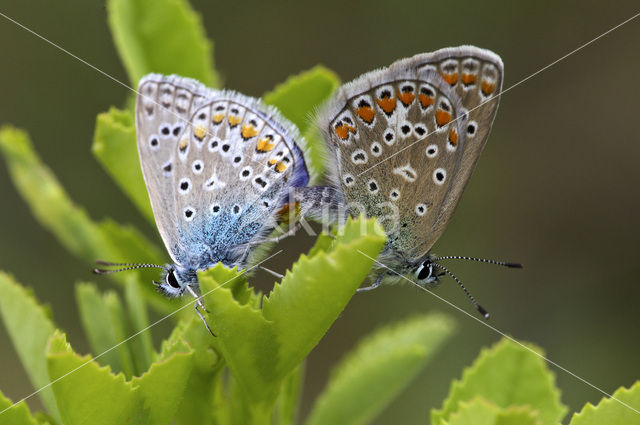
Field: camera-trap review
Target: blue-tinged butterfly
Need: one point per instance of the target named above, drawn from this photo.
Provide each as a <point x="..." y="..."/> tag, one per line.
<point x="404" y="141"/>
<point x="218" y="167"/>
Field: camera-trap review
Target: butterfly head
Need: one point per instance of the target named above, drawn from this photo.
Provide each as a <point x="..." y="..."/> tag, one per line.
<point x="175" y="280"/>
<point x="426" y="272"/>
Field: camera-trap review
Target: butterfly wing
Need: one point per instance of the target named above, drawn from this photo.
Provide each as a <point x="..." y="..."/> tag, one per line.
<point x="476" y="75"/>
<point x="219" y="175"/>
<point x="162" y="111"/>
<point x="399" y="139"/>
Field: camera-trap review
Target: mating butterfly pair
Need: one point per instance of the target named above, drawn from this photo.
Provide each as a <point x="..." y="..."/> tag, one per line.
<point x="219" y="166"/>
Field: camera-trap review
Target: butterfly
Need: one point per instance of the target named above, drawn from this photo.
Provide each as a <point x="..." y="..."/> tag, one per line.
<point x="218" y="167"/>
<point x="404" y="141"/>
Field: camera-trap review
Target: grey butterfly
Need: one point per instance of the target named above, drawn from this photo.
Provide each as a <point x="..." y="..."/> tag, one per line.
<point x="218" y="167"/>
<point x="404" y="141"/>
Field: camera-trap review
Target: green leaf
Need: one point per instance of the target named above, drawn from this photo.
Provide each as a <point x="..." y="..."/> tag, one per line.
<point x="262" y="347"/>
<point x="103" y="320"/>
<point x="507" y="375"/>
<point x="316" y="153"/>
<point x="316" y="290"/>
<point x="298" y="99"/>
<point x="164" y="385"/>
<point x="164" y="36"/>
<point x="47" y="199"/>
<point x="141" y="345"/>
<point x="612" y="410"/>
<point x="89" y="393"/>
<point x="244" y="337"/>
<point x="238" y="284"/>
<point x="114" y="146"/>
<point x="323" y="243"/>
<point x="70" y="224"/>
<point x="481" y="412"/>
<point x="93" y="314"/>
<point x="380" y="367"/>
<point x="15" y="415"/>
<point x="300" y="95"/>
<point x="202" y="403"/>
<point x="288" y="404"/>
<point x="22" y="316"/>
<point x="117" y="318"/>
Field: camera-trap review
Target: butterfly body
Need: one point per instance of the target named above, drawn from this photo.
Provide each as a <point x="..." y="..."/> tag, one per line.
<point x="218" y="166"/>
<point x="404" y="141"/>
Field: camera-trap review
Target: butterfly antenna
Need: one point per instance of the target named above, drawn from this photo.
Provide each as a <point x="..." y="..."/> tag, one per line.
<point x="478" y="307"/>
<point x="123" y="267"/>
<point x="481" y="260"/>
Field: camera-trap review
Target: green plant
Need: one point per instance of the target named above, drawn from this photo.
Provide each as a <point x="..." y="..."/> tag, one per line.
<point x="252" y="372"/>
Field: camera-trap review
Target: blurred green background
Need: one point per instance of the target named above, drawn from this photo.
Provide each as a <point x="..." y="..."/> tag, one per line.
<point x="555" y="189"/>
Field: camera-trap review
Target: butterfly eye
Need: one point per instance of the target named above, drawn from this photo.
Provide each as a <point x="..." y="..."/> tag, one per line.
<point x="425" y="271"/>
<point x="172" y="280"/>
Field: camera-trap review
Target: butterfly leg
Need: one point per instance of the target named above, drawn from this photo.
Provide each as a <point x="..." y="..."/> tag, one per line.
<point x="292" y="231"/>
<point x="200" y="304"/>
<point x="375" y="284"/>
<point x="324" y="204"/>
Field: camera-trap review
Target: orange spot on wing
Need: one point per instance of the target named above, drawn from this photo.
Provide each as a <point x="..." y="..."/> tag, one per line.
<point x="366" y="113"/>
<point x="487" y="87"/>
<point x="406" y="98"/>
<point x="442" y="117"/>
<point x="468" y="79"/>
<point x="265" y="145"/>
<point x="450" y="78"/>
<point x="342" y="131"/>
<point x="234" y="120"/>
<point x="388" y="104"/>
<point x="272" y="161"/>
<point x="217" y="118"/>
<point x="289" y="211"/>
<point x="425" y="100"/>
<point x="183" y="144"/>
<point x="453" y="137"/>
<point x="199" y="132"/>
<point x="248" y="131"/>
<point x="280" y="167"/>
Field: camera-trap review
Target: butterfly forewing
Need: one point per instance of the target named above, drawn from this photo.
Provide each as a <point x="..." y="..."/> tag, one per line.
<point x="231" y="162"/>
<point x="162" y="112"/>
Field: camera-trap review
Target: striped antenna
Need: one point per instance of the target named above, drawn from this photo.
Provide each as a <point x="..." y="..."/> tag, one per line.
<point x="478" y="307"/>
<point x="123" y="267"/>
<point x="481" y="260"/>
